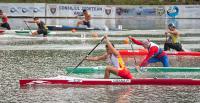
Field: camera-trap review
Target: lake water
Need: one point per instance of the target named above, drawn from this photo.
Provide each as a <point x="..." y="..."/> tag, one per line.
<point x="23" y="57"/>
<point x="132" y="24"/>
<point x="23" y="64"/>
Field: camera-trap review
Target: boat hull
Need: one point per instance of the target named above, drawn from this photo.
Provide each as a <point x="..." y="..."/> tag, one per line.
<point x="67" y="28"/>
<point x="144" y="52"/>
<point x="20" y="32"/>
<point x="101" y="69"/>
<point x="84" y="81"/>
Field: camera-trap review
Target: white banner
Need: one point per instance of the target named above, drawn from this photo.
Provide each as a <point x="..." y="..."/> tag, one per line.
<point x="183" y="11"/>
<point x="23" y="9"/>
<point x="69" y="10"/>
<point x="101" y="11"/>
<point x="140" y="11"/>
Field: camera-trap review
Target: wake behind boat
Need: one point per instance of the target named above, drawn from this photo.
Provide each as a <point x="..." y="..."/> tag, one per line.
<point x="66" y="80"/>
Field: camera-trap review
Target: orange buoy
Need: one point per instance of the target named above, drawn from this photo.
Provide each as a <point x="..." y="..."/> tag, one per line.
<point x="94" y="34"/>
<point x="73" y="30"/>
<point x="126" y="41"/>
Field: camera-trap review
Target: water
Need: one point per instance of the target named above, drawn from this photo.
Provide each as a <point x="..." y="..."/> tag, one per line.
<point x="133" y="23"/>
<point x="23" y="57"/>
<point x="21" y="64"/>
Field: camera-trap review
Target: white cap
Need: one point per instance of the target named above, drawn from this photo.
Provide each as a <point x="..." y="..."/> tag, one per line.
<point x="146" y="42"/>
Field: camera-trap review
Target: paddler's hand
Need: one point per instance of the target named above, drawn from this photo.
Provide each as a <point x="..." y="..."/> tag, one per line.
<point x="137" y="68"/>
<point x="105" y="37"/>
<point x="129" y="37"/>
<point x="166" y="33"/>
<point x="86" y="58"/>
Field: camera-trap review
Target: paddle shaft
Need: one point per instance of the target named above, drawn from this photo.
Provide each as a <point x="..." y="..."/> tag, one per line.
<point x="86" y="56"/>
<point x="28" y="27"/>
<point x="132" y="49"/>
<point x="165" y="38"/>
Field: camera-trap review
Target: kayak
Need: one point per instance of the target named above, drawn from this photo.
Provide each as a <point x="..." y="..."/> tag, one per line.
<point x="1" y="31"/>
<point x="145" y="52"/>
<point x="19" y="32"/>
<point x="66" y="28"/>
<point x="101" y="69"/>
<point x="66" y="80"/>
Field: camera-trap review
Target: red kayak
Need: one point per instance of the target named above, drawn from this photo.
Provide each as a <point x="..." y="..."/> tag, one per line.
<point x="144" y="52"/>
<point x="66" y="80"/>
<point x="1" y="31"/>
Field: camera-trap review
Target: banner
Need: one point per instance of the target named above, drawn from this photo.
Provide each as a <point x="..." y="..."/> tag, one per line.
<point x="23" y="9"/>
<point x="70" y="10"/>
<point x="183" y="11"/>
<point x="100" y="11"/>
<point x="140" y="11"/>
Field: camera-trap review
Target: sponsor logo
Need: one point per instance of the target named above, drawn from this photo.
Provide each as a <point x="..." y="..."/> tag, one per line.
<point x="149" y="11"/>
<point x="38" y="82"/>
<point x="139" y="11"/>
<point x="121" y="80"/>
<point x="123" y="11"/>
<point x="119" y="11"/>
<point x="53" y="9"/>
<point x="24" y="10"/>
<point x="35" y="10"/>
<point x="76" y="80"/>
<point x="108" y="11"/>
<point x="173" y="11"/>
<point x="12" y="10"/>
<point x="160" y="11"/>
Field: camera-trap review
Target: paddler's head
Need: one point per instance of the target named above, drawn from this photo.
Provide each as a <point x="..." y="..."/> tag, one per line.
<point x="146" y="43"/>
<point x="84" y="12"/>
<point x="171" y="26"/>
<point x="36" y="19"/>
<point x="1" y="12"/>
<point x="108" y="49"/>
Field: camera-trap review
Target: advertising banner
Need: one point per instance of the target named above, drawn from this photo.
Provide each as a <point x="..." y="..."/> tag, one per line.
<point x="183" y="11"/>
<point x="69" y="10"/>
<point x="23" y="9"/>
<point x="140" y="11"/>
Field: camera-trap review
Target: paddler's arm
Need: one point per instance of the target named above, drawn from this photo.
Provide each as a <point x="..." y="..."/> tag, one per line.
<point x="3" y="15"/>
<point x="88" y="17"/>
<point x="135" y="41"/>
<point x="30" y="21"/>
<point x="152" y="51"/>
<point x="110" y="46"/>
<point x="97" y="58"/>
<point x="171" y="32"/>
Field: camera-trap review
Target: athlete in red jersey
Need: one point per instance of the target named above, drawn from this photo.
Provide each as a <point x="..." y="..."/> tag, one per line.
<point x="4" y="19"/>
<point x="155" y="54"/>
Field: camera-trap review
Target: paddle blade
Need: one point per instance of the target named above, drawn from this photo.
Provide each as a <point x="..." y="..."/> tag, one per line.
<point x="126" y="41"/>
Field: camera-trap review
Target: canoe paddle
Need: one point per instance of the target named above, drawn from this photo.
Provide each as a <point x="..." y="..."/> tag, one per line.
<point x="86" y="56"/>
<point x="28" y="27"/>
<point x="132" y="49"/>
